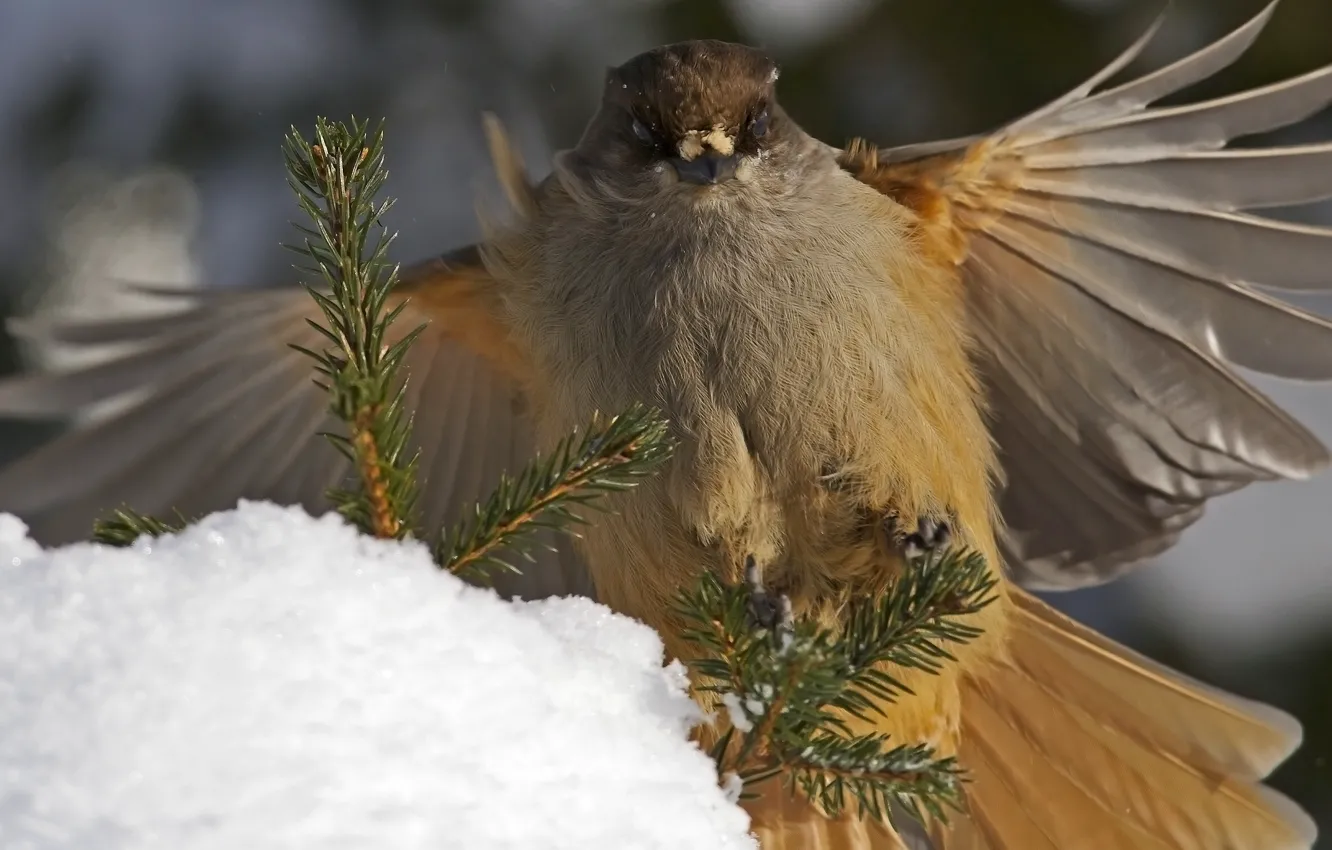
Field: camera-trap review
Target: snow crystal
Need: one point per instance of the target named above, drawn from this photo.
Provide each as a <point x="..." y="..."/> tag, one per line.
<point x="271" y="680"/>
<point x="733" y="786"/>
<point x="736" y="712"/>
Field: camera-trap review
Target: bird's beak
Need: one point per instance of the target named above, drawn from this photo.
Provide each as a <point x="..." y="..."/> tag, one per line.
<point x="708" y="167"/>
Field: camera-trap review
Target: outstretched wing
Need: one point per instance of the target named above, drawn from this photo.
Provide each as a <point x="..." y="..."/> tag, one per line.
<point x="1114" y="283"/>
<point x="219" y="407"/>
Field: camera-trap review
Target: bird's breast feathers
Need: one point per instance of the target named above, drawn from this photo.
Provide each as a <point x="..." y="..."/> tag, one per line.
<point x="799" y="344"/>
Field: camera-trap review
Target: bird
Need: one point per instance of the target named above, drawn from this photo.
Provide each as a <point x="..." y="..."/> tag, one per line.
<point x="1027" y="342"/>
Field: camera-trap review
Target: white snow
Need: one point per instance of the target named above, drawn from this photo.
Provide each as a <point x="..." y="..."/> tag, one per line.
<point x="270" y="680"/>
<point x="733" y="785"/>
<point x="736" y="712"/>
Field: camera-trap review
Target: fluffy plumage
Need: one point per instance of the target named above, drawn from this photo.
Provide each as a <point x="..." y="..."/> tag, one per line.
<point x="1032" y="334"/>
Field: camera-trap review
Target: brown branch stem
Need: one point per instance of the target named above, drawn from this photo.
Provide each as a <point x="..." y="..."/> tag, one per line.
<point x="385" y="523"/>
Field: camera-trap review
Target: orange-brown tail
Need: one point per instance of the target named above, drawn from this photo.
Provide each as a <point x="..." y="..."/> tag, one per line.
<point x="1077" y="743"/>
<point x="1073" y="742"/>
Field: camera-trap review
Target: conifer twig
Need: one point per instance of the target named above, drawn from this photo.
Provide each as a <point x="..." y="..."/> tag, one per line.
<point x="123" y="526"/>
<point x="787" y="692"/>
<point x="611" y="455"/>
<point x="335" y="179"/>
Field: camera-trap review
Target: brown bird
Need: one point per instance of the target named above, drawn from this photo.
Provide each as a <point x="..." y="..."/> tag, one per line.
<point x="1027" y="338"/>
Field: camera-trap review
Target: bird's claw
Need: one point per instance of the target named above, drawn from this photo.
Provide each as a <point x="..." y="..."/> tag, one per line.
<point x="766" y="610"/>
<point x="930" y="534"/>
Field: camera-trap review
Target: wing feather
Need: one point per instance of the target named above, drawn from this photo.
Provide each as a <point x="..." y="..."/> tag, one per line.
<point x="1116" y="279"/>
<point x="221" y="408"/>
<point x="1220" y="181"/>
<point x="214" y="405"/>
<point x="1081" y="107"/>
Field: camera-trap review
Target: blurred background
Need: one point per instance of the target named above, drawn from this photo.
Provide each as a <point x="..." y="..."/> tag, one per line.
<point x="140" y="140"/>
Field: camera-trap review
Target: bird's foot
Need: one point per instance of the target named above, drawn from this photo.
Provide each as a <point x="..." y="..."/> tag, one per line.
<point x="931" y="533"/>
<point x="768" y="611"/>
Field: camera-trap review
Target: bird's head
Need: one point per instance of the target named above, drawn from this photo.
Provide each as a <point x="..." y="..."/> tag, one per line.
<point x="699" y="113"/>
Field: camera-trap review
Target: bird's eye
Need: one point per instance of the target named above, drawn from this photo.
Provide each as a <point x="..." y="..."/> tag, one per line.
<point x="758" y="128"/>
<point x="643" y="133"/>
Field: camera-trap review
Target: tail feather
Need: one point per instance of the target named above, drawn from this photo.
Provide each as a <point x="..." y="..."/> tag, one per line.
<point x="782" y="821"/>
<point x="1172" y="712"/>
<point x="1094" y="789"/>
<point x="1075" y="743"/>
<point x="1002" y="814"/>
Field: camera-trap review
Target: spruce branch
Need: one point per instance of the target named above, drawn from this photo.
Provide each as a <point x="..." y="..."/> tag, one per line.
<point x="788" y="684"/>
<point x="613" y="454"/>
<point x="835" y="770"/>
<point x="789" y="689"/>
<point x="336" y="178"/>
<point x="123" y="526"/>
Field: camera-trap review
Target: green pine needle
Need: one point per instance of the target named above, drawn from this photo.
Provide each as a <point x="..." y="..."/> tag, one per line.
<point x="793" y="686"/>
<point x="613" y="455"/>
<point x="335" y="179"/>
<point x="125" y="526"/>
<point x="911" y="625"/>
<point x="836" y="771"/>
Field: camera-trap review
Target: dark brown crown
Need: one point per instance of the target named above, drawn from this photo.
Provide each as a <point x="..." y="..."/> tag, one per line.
<point x="693" y="85"/>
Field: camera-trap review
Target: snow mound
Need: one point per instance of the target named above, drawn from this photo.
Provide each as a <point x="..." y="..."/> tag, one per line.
<point x="270" y="680"/>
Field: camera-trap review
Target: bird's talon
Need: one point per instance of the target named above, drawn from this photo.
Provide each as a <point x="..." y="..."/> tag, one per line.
<point x="914" y="547"/>
<point x="930" y="534"/>
<point x="766" y="610"/>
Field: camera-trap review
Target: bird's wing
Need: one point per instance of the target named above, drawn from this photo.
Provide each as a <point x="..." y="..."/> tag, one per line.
<point x="218" y="407"/>
<point x="1115" y="281"/>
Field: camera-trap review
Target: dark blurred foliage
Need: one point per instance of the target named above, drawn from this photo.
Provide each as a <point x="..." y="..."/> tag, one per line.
<point x="892" y="71"/>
